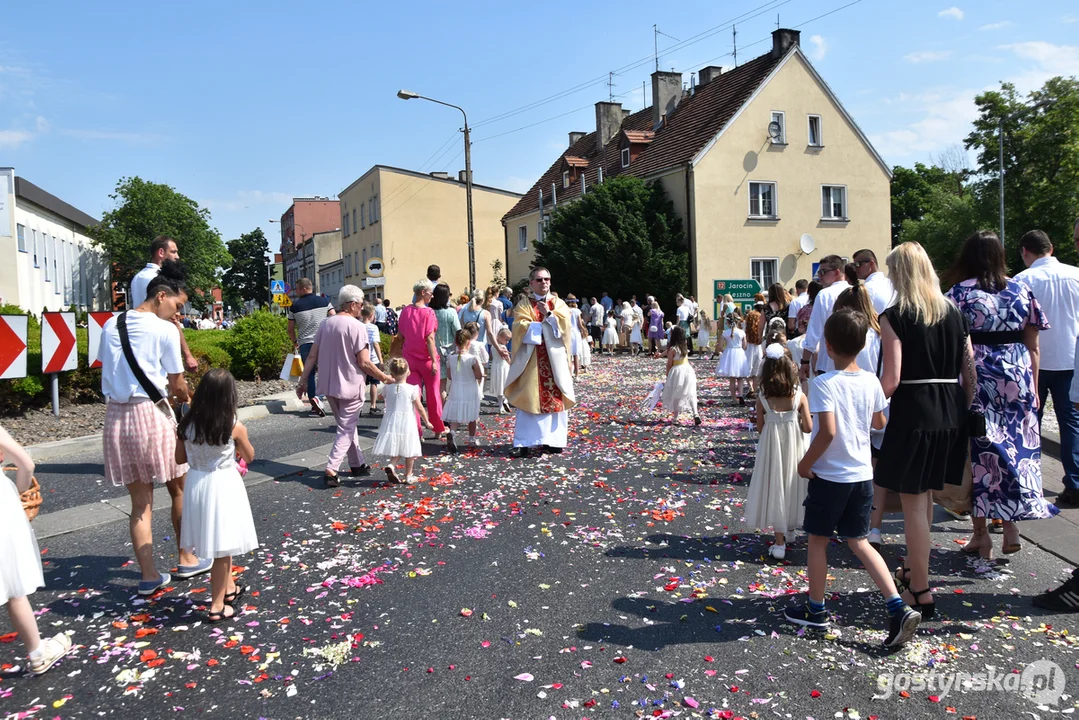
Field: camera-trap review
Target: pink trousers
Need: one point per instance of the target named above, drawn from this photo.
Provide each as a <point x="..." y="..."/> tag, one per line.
<point x="346" y="412"/>
<point x="425" y="374"/>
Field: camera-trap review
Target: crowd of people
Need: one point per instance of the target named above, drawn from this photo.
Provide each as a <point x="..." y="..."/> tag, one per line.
<point x="866" y="388"/>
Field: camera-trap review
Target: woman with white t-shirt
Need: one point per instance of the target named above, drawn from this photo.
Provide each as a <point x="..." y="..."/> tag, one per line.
<point x="140" y="432"/>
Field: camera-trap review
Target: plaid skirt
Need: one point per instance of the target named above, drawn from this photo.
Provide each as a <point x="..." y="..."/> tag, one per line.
<point x="139" y="444"/>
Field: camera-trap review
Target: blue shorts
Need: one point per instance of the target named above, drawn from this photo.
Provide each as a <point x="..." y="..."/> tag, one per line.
<point x="840" y="508"/>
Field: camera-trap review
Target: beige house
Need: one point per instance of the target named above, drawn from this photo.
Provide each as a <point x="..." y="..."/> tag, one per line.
<point x="747" y="190"/>
<point x="411" y="220"/>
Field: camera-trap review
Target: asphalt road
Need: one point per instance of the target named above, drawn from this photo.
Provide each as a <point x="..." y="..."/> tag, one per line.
<point x="615" y="580"/>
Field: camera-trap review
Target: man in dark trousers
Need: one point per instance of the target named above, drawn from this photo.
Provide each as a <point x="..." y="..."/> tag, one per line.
<point x="304" y="317"/>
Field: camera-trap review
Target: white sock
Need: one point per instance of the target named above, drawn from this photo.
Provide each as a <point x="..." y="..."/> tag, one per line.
<point x="37" y="652"/>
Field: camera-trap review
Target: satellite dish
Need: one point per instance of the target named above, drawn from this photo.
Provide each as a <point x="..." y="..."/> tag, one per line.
<point x="807" y="244"/>
<point x="775" y="130"/>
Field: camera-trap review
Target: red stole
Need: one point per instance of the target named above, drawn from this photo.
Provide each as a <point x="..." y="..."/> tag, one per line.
<point x="549" y="395"/>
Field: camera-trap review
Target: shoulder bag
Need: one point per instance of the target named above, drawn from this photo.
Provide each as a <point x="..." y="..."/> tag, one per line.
<point x="148" y="387"/>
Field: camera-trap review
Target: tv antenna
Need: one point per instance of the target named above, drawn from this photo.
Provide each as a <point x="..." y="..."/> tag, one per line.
<point x="734" y="30"/>
<point x="656" y="32"/>
<point x="610" y="86"/>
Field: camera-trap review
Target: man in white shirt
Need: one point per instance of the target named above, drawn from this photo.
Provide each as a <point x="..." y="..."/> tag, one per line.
<point x="798" y="302"/>
<point x="1056" y="288"/>
<point x="684" y="312"/>
<point x="161" y="249"/>
<point x="880" y="287"/>
<point x="830" y="275"/>
<point x="596" y="316"/>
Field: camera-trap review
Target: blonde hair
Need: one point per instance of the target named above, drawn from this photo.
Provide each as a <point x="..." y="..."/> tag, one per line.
<point x="398" y="367"/>
<point x="504" y="332"/>
<point x="423" y="286"/>
<point x="917" y="287"/>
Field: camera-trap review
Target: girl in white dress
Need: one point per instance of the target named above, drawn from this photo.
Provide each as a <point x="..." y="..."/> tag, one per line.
<point x="680" y="388"/>
<point x="610" y="335"/>
<point x="217" y="515"/>
<point x="776" y="491"/>
<point x="754" y="343"/>
<point x="635" y="339"/>
<point x="704" y="333"/>
<point x="734" y="363"/>
<point x="398" y="437"/>
<point x="466" y="391"/>
<point x="575" y="334"/>
<point x="20" y="562"/>
<point x="500" y="370"/>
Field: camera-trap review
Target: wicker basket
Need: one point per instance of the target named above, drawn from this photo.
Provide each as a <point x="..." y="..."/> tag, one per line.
<point x="31" y="499"/>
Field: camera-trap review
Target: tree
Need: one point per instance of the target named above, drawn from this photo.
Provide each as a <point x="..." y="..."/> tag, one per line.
<point x="145" y="210"/>
<point x="949" y="219"/>
<point x="1041" y="162"/>
<point x="497" y="278"/>
<point x="912" y="189"/>
<point x="246" y="278"/>
<point x="622" y="238"/>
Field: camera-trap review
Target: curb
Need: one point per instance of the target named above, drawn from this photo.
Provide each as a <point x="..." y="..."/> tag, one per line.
<point x="1051" y="443"/>
<point x="280" y="403"/>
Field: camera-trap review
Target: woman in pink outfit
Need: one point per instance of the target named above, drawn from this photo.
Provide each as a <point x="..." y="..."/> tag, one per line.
<point x="417" y="326"/>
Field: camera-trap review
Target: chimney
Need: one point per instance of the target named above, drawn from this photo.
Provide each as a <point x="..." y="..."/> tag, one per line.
<point x="575" y="137"/>
<point x="666" y="92"/>
<point x="608" y="122"/>
<point x="710" y="73"/>
<point x="462" y="176"/>
<point x="782" y="39"/>
<point x="439" y="175"/>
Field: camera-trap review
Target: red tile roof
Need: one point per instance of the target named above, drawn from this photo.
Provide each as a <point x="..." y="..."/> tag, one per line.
<point x="573" y="161"/>
<point x="696" y="120"/>
<point x="639" y="137"/>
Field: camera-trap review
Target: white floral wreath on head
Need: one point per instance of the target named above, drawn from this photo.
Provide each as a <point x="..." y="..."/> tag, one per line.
<point x="774" y="351"/>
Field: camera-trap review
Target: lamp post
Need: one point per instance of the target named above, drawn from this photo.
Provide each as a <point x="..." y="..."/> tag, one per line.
<point x="1000" y="133"/>
<point x="408" y="95"/>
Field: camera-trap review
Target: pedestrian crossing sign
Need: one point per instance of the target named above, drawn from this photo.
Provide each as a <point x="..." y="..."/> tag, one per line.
<point x="277" y="287"/>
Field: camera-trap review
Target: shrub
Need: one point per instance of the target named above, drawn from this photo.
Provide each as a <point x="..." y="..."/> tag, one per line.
<point x="385" y="340"/>
<point x="257" y="345"/>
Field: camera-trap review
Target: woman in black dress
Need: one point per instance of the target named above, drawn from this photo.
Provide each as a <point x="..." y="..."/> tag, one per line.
<point x="928" y="374"/>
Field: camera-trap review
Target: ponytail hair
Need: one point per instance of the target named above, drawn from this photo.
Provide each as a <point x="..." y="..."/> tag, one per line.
<point x="851" y="274"/>
<point x="856" y="297"/>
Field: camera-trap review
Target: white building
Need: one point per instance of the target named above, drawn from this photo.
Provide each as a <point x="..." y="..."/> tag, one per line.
<point x="46" y="260"/>
<point x="331" y="279"/>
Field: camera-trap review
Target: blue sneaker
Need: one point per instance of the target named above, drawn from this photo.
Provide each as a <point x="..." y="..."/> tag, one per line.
<point x="149" y="587"/>
<point x="186" y="572"/>
<point x="804" y="616"/>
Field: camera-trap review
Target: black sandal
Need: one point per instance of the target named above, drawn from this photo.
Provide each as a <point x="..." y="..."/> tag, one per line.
<point x="928" y="610"/>
<point x="232" y="597"/>
<point x="216" y="617"/>
<point x="902" y="582"/>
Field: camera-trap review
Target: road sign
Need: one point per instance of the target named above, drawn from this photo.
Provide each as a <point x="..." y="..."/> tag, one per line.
<point x="58" y="342"/>
<point x="741" y="290"/>
<point x="277" y="287"/>
<point x="12" y="347"/>
<point x="97" y="324"/>
<point x="375" y="267"/>
<point x="282" y="300"/>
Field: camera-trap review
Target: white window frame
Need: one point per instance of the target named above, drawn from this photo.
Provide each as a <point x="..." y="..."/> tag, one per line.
<point x="346" y="226"/>
<point x="363" y="268"/>
<point x="565" y="178"/>
<point x="363" y="216"/>
<point x="20" y="232"/>
<point x="760" y="279"/>
<point x="820" y="131"/>
<point x="625" y="157"/>
<point x="36" y="263"/>
<point x="781" y="117"/>
<point x="45" y="257"/>
<point x="353" y="219"/>
<point x="522" y="238"/>
<point x="831" y="203"/>
<point x="775" y="200"/>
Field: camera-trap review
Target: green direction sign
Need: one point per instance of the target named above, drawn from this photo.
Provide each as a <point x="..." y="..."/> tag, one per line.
<point x="741" y="290"/>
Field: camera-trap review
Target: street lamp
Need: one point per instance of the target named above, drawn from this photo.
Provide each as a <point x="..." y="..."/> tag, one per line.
<point x="409" y="95"/>
<point x="1000" y="133"/>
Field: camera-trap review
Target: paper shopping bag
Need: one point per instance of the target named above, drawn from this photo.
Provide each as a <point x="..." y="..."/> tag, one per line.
<point x="289" y="369"/>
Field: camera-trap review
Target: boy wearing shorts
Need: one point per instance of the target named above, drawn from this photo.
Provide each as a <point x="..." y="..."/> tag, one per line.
<point x="847" y="402"/>
<point x="367" y="317"/>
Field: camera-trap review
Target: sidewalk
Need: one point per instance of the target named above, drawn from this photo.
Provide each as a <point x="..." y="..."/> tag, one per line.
<point x="1060" y="535"/>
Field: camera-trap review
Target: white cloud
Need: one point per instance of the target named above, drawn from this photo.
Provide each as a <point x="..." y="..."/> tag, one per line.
<point x="1068" y="19"/>
<point x="945" y="114"/>
<point x="997" y="25"/>
<point x="819" y="48"/>
<point x="128" y="137"/>
<point x="952" y="12"/>
<point x="925" y="56"/>
<point x="11" y="139"/>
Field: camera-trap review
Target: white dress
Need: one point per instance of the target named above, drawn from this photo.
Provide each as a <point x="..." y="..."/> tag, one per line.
<point x="776" y="492"/>
<point x="635" y="332"/>
<point x="704" y="336"/>
<point x="680" y="388"/>
<point x="610" y="335"/>
<point x="20" y="561"/>
<point x="398" y="436"/>
<point x="733" y="363"/>
<point x="500" y="370"/>
<point x="586" y="351"/>
<point x="466" y="394"/>
<point x="756" y="356"/>
<point x="575" y="334"/>
<point x="217" y="514"/>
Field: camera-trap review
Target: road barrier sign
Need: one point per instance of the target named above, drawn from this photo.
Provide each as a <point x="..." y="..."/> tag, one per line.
<point x="97" y="324"/>
<point x="58" y="342"/>
<point x="12" y="347"/>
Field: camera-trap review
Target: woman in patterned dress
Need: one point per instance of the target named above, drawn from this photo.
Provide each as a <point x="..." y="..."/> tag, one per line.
<point x="1004" y="321"/>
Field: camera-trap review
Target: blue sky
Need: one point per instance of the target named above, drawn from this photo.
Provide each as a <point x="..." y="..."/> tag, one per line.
<point x="242" y="105"/>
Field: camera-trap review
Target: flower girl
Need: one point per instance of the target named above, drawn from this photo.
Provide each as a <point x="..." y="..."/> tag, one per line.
<point x="466" y="390"/>
<point x="398" y="435"/>
<point x="680" y="388"/>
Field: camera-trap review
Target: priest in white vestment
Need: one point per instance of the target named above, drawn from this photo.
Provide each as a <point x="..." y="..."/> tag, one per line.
<point x="540" y="382"/>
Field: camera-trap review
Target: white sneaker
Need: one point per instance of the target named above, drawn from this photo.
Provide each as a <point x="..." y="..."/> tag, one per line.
<point x="474" y="441"/>
<point x="875" y="539"/>
<point x="778" y="551"/>
<point x="52" y="651"/>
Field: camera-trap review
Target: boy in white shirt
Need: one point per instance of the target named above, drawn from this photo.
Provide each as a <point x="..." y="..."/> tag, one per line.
<point x="374" y="338"/>
<point x="847" y="402"/>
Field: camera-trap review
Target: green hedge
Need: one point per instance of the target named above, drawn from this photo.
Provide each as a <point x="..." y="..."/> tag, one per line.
<point x="257" y="345"/>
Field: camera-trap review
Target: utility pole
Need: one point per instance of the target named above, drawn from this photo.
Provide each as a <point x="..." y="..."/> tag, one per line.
<point x="734" y="29"/>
